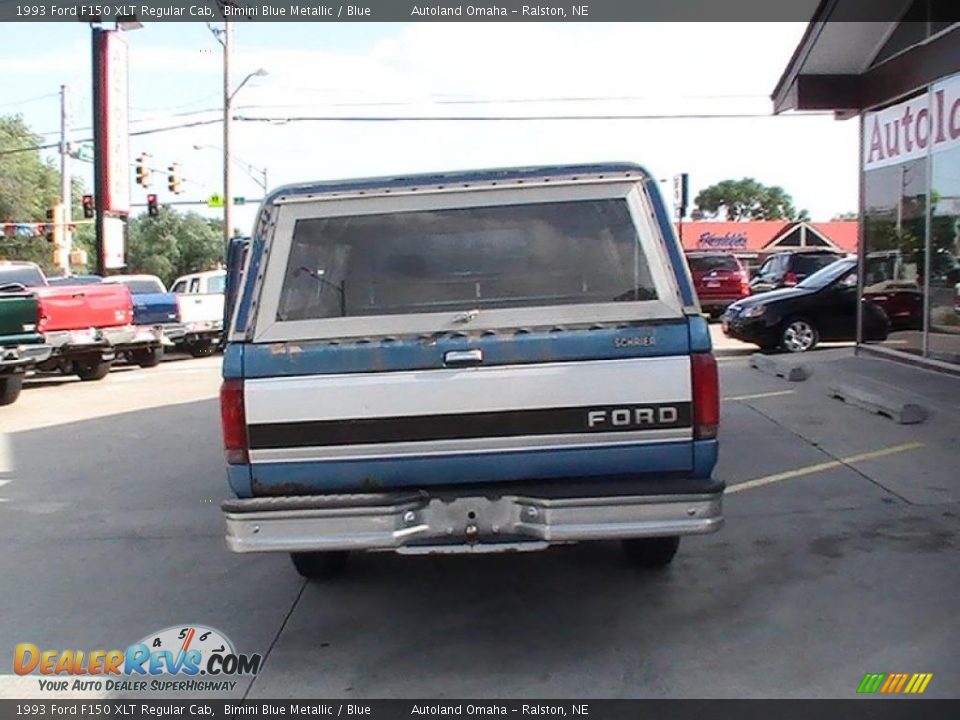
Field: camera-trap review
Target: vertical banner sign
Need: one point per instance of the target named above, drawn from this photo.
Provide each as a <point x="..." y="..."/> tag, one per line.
<point x="113" y="242"/>
<point x="114" y="118"/>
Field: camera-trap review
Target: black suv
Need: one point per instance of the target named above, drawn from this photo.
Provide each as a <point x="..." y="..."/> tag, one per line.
<point x="786" y="269"/>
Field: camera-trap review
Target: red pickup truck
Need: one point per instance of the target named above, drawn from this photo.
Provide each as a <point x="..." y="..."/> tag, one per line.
<point x="86" y="326"/>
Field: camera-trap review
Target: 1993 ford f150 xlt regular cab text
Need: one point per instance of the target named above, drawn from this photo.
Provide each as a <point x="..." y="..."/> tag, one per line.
<point x="468" y="362"/>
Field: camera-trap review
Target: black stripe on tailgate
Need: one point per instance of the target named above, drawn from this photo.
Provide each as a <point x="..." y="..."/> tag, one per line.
<point x="505" y="423"/>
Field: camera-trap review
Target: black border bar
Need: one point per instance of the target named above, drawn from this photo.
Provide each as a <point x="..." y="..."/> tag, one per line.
<point x="149" y="11"/>
<point x="876" y="708"/>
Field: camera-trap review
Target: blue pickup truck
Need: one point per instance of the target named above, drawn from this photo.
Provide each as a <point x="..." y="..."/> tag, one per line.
<point x="485" y="361"/>
<point x="155" y="311"/>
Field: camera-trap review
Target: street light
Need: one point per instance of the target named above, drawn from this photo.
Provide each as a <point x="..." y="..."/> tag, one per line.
<point x="223" y="36"/>
<point x="248" y="168"/>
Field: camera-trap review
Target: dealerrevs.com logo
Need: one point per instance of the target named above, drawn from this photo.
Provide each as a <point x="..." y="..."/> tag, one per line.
<point x="182" y="651"/>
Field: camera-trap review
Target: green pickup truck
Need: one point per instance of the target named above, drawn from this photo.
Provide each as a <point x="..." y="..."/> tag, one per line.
<point x="21" y="346"/>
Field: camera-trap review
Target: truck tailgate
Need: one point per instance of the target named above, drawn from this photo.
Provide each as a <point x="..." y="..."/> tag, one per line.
<point x="18" y="316"/>
<point x="76" y="307"/>
<point x="155" y="308"/>
<point x="627" y="416"/>
<point x="201" y="308"/>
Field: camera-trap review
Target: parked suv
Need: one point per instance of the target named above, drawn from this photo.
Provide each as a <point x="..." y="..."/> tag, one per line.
<point x="787" y="269"/>
<point x="487" y="361"/>
<point x="719" y="279"/>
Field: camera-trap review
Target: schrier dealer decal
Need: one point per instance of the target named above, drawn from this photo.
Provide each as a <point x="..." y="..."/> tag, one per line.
<point x="190" y="651"/>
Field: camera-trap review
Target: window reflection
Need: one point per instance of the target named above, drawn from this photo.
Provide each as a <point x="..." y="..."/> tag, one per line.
<point x="944" y="317"/>
<point x="894" y="240"/>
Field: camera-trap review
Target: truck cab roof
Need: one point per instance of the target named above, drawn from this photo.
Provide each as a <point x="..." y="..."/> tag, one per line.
<point x="457" y="180"/>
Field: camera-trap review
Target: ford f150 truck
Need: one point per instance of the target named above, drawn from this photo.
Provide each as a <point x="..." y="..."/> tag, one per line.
<point x="153" y="309"/>
<point x="85" y="325"/>
<point x="21" y="346"/>
<point x="201" y="300"/>
<point x="471" y="362"/>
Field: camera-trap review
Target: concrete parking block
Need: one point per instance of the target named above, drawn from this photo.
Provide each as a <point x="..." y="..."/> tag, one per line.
<point x="879" y="402"/>
<point x="777" y="366"/>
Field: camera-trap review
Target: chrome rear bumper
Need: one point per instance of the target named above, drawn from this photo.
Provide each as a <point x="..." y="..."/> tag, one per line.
<point x="419" y="523"/>
<point x="18" y="355"/>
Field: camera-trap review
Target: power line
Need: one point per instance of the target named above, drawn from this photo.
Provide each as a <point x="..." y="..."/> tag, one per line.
<point x="29" y="100"/>
<point x="518" y="118"/>
<point x="461" y="100"/>
<point x="151" y="131"/>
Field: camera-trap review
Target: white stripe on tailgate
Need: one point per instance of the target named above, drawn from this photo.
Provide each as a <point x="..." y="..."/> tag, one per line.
<point x="436" y="448"/>
<point x="482" y="389"/>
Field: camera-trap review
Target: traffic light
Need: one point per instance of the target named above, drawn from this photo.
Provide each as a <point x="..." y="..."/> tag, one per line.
<point x="143" y="171"/>
<point x="173" y="179"/>
<point x="53" y="230"/>
<point x="88" y="206"/>
<point x="152" y="208"/>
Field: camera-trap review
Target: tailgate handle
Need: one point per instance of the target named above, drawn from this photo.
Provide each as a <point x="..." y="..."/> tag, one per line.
<point x="463" y="357"/>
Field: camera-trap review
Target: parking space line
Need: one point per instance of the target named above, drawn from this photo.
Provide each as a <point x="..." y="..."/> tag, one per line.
<point x="755" y="396"/>
<point x="820" y="467"/>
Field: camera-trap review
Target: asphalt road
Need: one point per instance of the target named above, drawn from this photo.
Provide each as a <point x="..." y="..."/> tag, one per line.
<point x="838" y="558"/>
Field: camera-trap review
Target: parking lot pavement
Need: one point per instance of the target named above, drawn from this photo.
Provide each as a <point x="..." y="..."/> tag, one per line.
<point x="838" y="558"/>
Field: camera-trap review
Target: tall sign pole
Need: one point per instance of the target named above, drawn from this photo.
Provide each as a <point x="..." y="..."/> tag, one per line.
<point x="66" y="199"/>
<point x="99" y="140"/>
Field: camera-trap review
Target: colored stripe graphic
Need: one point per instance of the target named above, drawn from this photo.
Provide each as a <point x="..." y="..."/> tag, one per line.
<point x="918" y="683"/>
<point x="907" y="683"/>
<point x="870" y="683"/>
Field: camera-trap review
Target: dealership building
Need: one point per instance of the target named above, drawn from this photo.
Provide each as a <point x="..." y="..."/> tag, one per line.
<point x="900" y="79"/>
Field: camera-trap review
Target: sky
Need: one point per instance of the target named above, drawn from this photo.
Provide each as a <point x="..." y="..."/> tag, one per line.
<point x="446" y="69"/>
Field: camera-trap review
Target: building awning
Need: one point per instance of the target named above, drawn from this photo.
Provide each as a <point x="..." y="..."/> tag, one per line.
<point x="845" y="66"/>
<point x="766" y="236"/>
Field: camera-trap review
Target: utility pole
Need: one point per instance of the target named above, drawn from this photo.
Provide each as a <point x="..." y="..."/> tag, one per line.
<point x="227" y="112"/>
<point x="66" y="194"/>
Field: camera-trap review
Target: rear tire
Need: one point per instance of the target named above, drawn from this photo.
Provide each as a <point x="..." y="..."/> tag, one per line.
<point x="652" y="552"/>
<point x="10" y="386"/>
<point x="148" y="358"/>
<point x="201" y="348"/>
<point x="320" y="565"/>
<point x="93" y="369"/>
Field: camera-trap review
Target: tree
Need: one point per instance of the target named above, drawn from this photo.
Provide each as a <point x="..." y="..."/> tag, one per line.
<point x="173" y="244"/>
<point x="29" y="186"/>
<point x="745" y="199"/>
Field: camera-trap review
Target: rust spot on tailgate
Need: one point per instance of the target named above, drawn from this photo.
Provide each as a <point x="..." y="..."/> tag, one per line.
<point x="281" y="489"/>
<point x="289" y="349"/>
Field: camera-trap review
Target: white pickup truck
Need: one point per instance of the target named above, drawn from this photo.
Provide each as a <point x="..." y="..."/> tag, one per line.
<point x="486" y="361"/>
<point x="200" y="297"/>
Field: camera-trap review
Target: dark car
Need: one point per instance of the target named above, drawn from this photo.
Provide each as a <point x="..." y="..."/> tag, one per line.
<point x="787" y="269"/>
<point x="822" y="307"/>
<point x="719" y="278"/>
